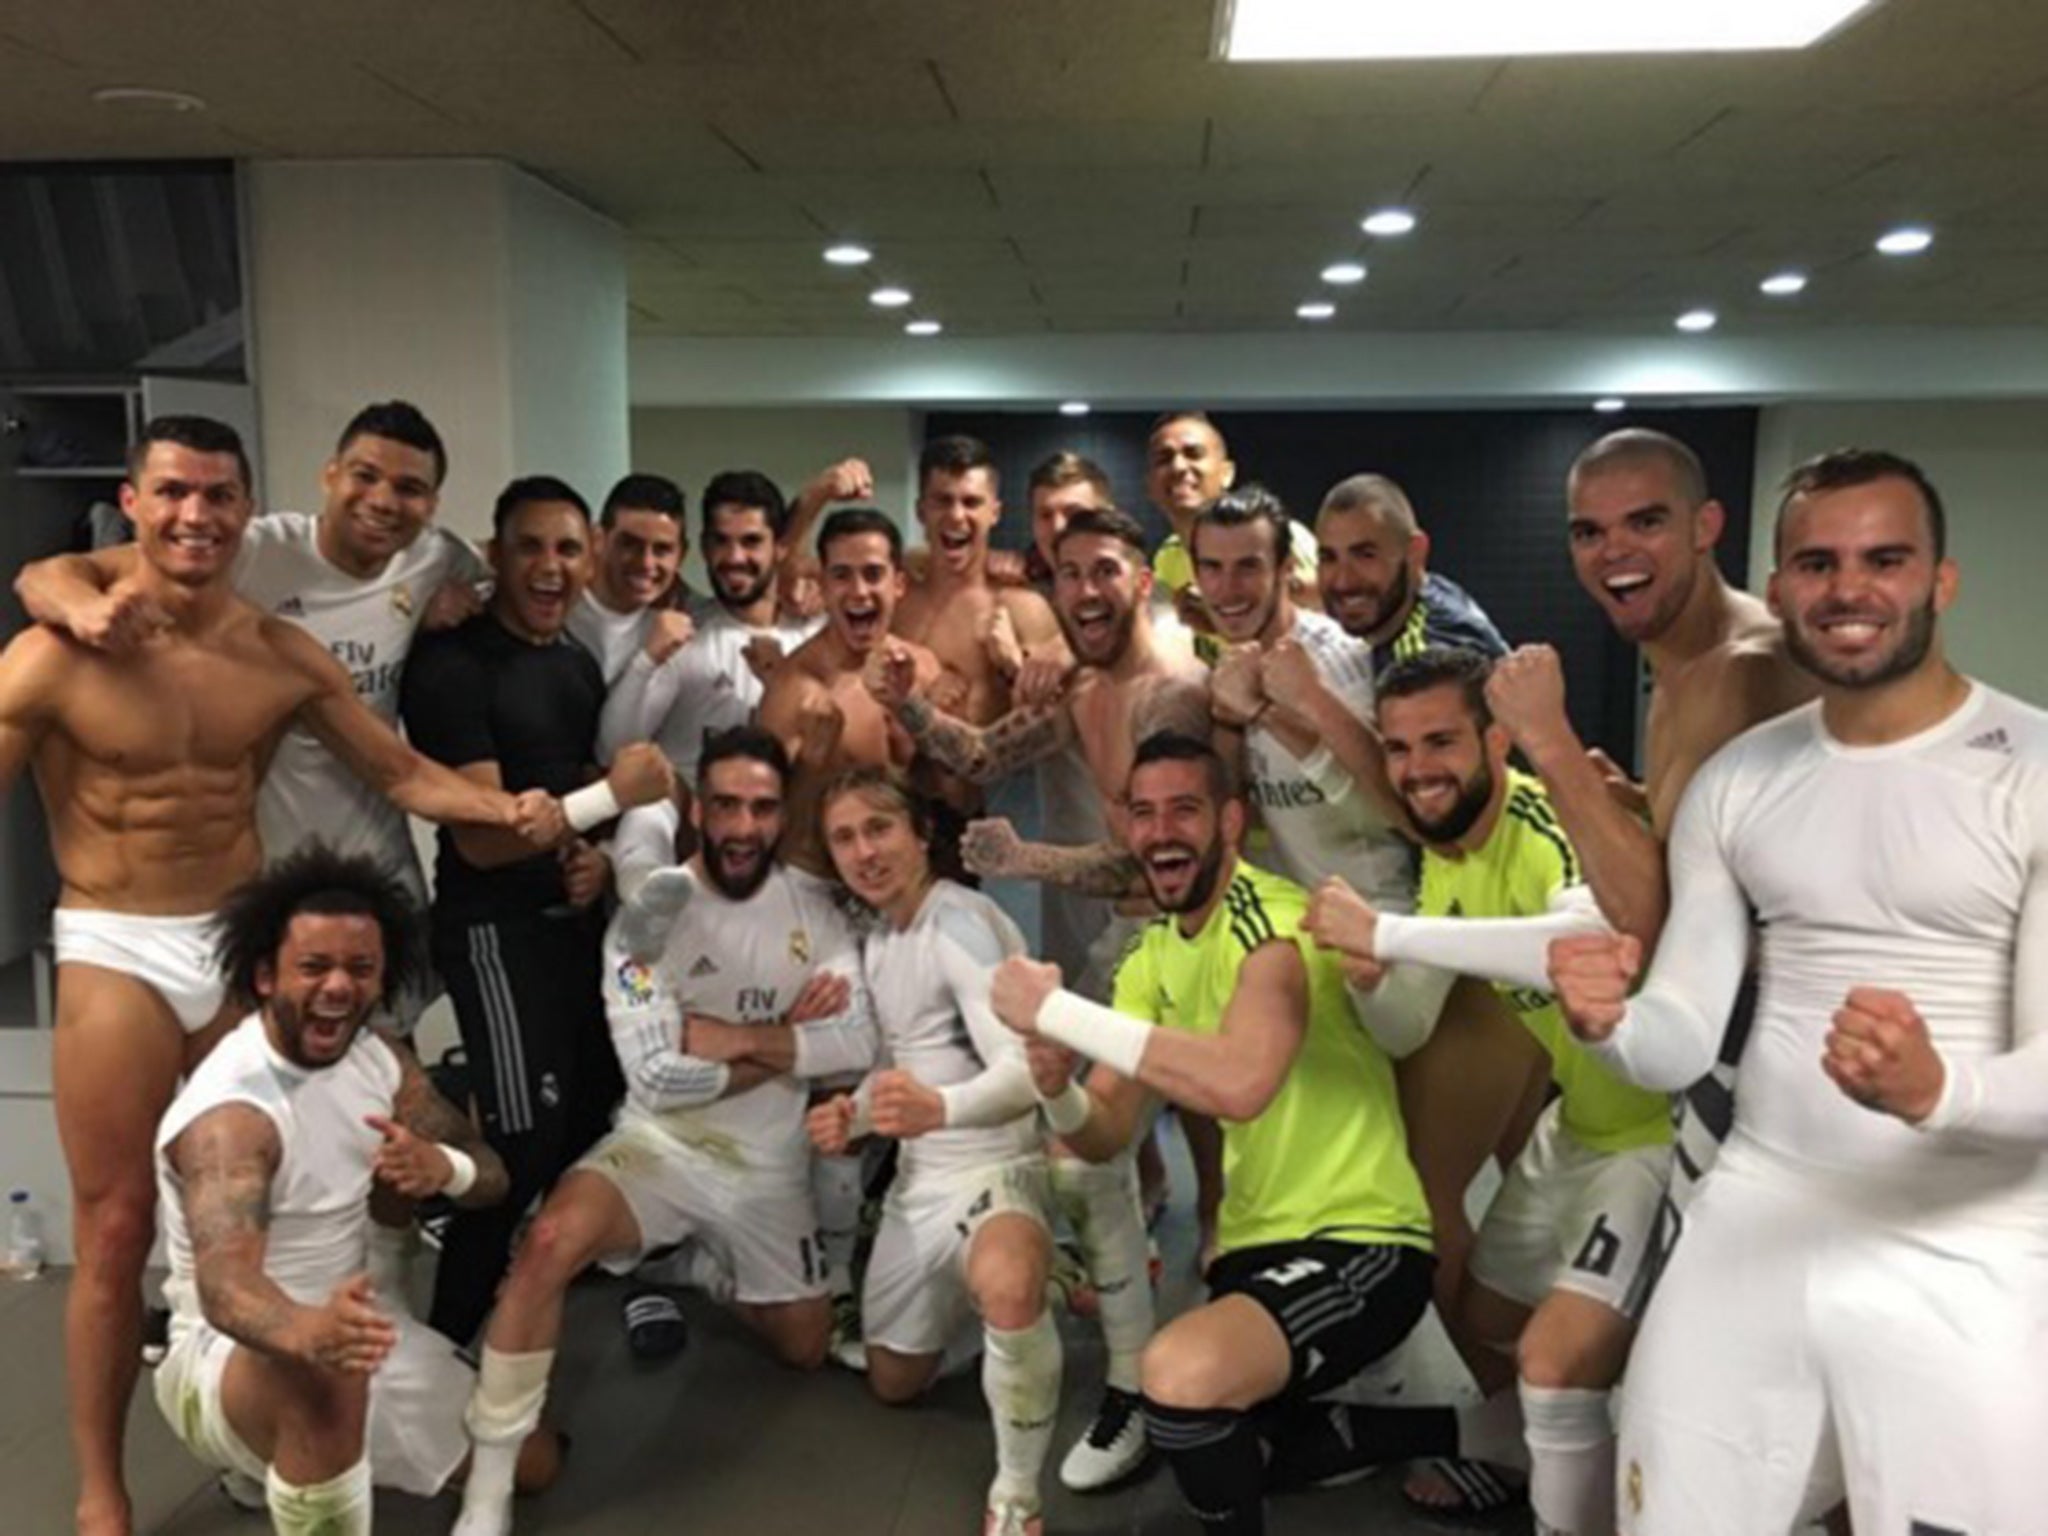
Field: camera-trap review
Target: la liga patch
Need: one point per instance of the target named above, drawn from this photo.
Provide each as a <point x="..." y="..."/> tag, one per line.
<point x="636" y="981"/>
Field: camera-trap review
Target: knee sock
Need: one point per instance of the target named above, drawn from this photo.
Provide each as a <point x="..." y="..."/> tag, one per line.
<point x="503" y="1411"/>
<point x="1101" y="1199"/>
<point x="1571" y="1460"/>
<point x="1218" y="1462"/>
<point x="1323" y="1442"/>
<point x="835" y="1186"/>
<point x="338" y="1507"/>
<point x="1020" y="1377"/>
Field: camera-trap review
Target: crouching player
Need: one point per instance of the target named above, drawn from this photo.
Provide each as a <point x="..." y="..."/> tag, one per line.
<point x="729" y="981"/>
<point x="282" y="1365"/>
<point x="964" y="1227"/>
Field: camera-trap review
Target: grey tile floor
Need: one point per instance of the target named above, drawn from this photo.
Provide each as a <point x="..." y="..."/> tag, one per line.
<point x="717" y="1443"/>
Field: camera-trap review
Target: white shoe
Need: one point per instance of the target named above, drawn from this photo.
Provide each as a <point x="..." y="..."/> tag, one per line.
<point x="244" y="1491"/>
<point x="1114" y="1447"/>
<point x="847" y="1348"/>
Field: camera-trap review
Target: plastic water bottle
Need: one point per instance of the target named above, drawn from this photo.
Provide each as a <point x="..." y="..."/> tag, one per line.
<point x="24" y="1258"/>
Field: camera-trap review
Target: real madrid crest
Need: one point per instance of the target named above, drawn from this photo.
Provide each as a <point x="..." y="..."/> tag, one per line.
<point x="799" y="946"/>
<point x="1635" y="1487"/>
<point x="401" y="599"/>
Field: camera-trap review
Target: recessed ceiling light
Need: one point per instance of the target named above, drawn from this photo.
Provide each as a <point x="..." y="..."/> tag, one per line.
<point x="922" y="328"/>
<point x="144" y="98"/>
<point x="1697" y="320"/>
<point x="848" y="255"/>
<point x="1782" y="285"/>
<point x="1073" y="407"/>
<point x="1910" y="240"/>
<point x="889" y="298"/>
<point x="1249" y="30"/>
<point x="1315" y="309"/>
<point x="1386" y="223"/>
<point x="1344" y="272"/>
<point x="1607" y="405"/>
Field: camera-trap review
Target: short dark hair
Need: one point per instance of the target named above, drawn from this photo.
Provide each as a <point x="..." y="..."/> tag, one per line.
<point x="848" y="521"/>
<point x="747" y="488"/>
<point x="402" y="422"/>
<point x="201" y="434"/>
<point x="1180" y="747"/>
<point x="1843" y="467"/>
<point x="1643" y="445"/>
<point x="743" y="741"/>
<point x="885" y="784"/>
<point x="1440" y="666"/>
<point x="1064" y="469"/>
<point x="530" y="488"/>
<point x="1108" y="523"/>
<point x="643" y="493"/>
<point x="1167" y="418"/>
<point x="1240" y="508"/>
<point x="954" y="455"/>
<point x="252" y="921"/>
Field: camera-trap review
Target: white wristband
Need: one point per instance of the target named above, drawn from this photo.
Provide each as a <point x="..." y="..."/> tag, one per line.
<point x="1101" y="1034"/>
<point x="461" y="1171"/>
<point x="590" y="806"/>
<point x="1069" y="1112"/>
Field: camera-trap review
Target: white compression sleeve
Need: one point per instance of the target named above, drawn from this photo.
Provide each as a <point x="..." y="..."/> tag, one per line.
<point x="848" y="1040"/>
<point x="1102" y="1034"/>
<point x="644" y="842"/>
<point x="2005" y="1098"/>
<point x="1002" y="1091"/>
<point x="1514" y="951"/>
<point x="1671" y="1034"/>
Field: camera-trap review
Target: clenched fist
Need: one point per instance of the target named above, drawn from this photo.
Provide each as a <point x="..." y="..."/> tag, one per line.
<point x="1235" y="694"/>
<point x="1018" y="990"/>
<point x="830" y="1124"/>
<point x="1879" y="1054"/>
<point x="1341" y="919"/>
<point x="992" y="849"/>
<point x="641" y="774"/>
<point x="1592" y="973"/>
<point x="1525" y="691"/>
<point x="901" y="1106"/>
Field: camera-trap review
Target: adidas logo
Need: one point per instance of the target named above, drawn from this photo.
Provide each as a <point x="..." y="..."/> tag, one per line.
<point x="1992" y="741"/>
<point x="703" y="967"/>
<point x="291" y="608"/>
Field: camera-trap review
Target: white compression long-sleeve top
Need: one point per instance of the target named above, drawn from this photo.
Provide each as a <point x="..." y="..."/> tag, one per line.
<point x="1919" y="866"/>
<point x="1512" y="951"/>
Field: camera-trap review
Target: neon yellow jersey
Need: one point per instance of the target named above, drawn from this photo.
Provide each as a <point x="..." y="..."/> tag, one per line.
<point x="1524" y="862"/>
<point x="1328" y="1157"/>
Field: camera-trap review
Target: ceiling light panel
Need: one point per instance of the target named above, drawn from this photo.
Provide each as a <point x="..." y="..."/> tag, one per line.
<point x="1262" y="30"/>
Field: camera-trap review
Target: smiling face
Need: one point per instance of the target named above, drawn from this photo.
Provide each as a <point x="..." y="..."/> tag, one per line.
<point x="862" y="586"/>
<point x="956" y="511"/>
<point x="740" y="552"/>
<point x="542" y="561"/>
<point x="1639" y="544"/>
<point x="738" y="809"/>
<point x="877" y="851"/>
<point x="1239" y="581"/>
<point x="189" y="509"/>
<point x="1368" y="570"/>
<point x="1186" y="468"/>
<point x="1180" y="833"/>
<point x="638" y="557"/>
<point x="326" y="979"/>
<point x="380" y="494"/>
<point x="1099" y="585"/>
<point x="1857" y="585"/>
<point x="1442" y="764"/>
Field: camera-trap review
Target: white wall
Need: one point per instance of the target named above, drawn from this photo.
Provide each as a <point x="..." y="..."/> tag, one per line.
<point x="1989" y="460"/>
<point x="787" y="445"/>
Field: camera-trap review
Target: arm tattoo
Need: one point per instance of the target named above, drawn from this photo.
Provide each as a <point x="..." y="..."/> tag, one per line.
<point x="981" y="755"/>
<point x="1094" y="869"/>
<point x="226" y="1160"/>
<point x="420" y="1108"/>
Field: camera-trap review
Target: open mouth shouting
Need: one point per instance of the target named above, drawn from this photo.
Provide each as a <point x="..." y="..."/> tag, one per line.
<point x="865" y="622"/>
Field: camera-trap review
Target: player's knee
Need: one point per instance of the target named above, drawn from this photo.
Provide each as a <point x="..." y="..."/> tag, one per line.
<point x="895" y="1387"/>
<point x="1183" y="1372"/>
<point x="552" y="1254"/>
<point x="1561" y="1360"/>
<point x="1009" y="1295"/>
<point x="801" y="1343"/>
<point x="116" y="1229"/>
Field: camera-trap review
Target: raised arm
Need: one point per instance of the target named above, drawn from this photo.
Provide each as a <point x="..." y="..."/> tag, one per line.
<point x="992" y="849"/>
<point x="91" y="598"/>
<point x="1668" y="1035"/>
<point x="225" y="1161"/>
<point x="1339" y="751"/>
<point x="420" y="1133"/>
<point x="1513" y="951"/>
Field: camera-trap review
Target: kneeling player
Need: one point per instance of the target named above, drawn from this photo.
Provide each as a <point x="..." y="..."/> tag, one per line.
<point x="964" y="1226"/>
<point x="728" y="982"/>
<point x="281" y="1366"/>
<point x="1226" y="1007"/>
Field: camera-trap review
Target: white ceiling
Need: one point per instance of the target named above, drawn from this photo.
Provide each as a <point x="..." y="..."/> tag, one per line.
<point x="1082" y="166"/>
